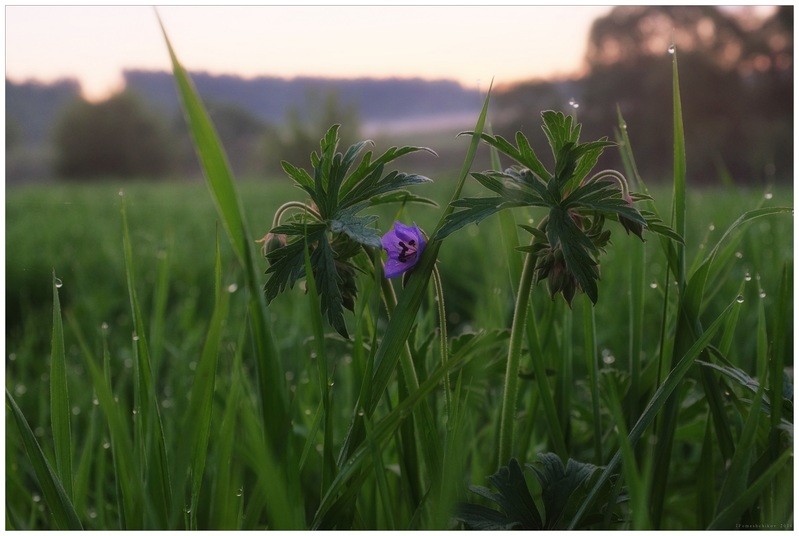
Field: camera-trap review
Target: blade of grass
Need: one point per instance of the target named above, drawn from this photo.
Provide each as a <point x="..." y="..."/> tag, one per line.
<point x="272" y="391"/>
<point x="146" y="410"/>
<point x="59" y="398"/>
<point x="55" y="496"/>
<point x="125" y="473"/>
<point x="733" y="512"/>
<point x="592" y="366"/>
<point x="654" y="406"/>
<point x="197" y="424"/>
<point x="639" y="502"/>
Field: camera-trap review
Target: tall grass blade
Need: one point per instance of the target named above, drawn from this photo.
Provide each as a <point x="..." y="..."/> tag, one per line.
<point x="727" y="517"/>
<point x="273" y="396"/>
<point x="197" y="424"/>
<point x="147" y="410"/>
<point x="654" y="406"/>
<point x="592" y="366"/>
<point x="60" y="409"/>
<point x="125" y="472"/>
<point x="55" y="496"/>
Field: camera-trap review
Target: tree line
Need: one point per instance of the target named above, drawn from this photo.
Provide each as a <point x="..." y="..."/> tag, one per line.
<point x="737" y="95"/>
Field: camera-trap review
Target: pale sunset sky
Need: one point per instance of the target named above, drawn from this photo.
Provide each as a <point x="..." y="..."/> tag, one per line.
<point x="469" y="44"/>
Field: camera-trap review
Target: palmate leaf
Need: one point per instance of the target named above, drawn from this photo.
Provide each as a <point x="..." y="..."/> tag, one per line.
<point x="476" y="209"/>
<point x="563" y="488"/>
<point x="577" y="250"/>
<point x="339" y="189"/>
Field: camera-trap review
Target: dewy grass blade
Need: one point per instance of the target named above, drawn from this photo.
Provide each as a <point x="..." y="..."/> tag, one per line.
<point x="272" y="391"/>
<point x="655" y="405"/>
<point x="592" y="366"/>
<point x="197" y="425"/>
<point x="679" y="172"/>
<point x="54" y="495"/>
<point x="125" y="473"/>
<point x="147" y="409"/>
<point x="59" y="397"/>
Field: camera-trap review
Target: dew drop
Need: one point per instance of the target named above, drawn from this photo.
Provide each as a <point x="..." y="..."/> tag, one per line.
<point x="36" y="497"/>
<point x="95" y="402"/>
<point x="135" y="336"/>
<point x="233" y="287"/>
<point x="92" y="514"/>
<point x="361" y="413"/>
<point x="192" y="365"/>
<point x="624" y="126"/>
<point x="573" y="103"/>
<point x="653" y="285"/>
<point x="20" y="389"/>
<point x="319" y="448"/>
<point x="239" y="492"/>
<point x="739" y="299"/>
<point x="58" y="283"/>
<point x="75" y="410"/>
<point x="121" y="193"/>
<point x="672" y="48"/>
<point x="187" y="509"/>
<point x="307" y="411"/>
<point x="104" y="326"/>
<point x="530" y="221"/>
<point x="289" y="375"/>
<point x="12" y="356"/>
<point x="712" y="227"/>
<point x="607" y="357"/>
<point x="762" y="294"/>
<point x="330" y="383"/>
<point x="128" y="363"/>
<point x="39" y="431"/>
<point x="313" y="355"/>
<point x="739" y="255"/>
<point x="748" y="277"/>
<point x="768" y="195"/>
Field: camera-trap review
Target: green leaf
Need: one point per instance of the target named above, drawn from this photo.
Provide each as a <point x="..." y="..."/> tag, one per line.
<point x="55" y="496"/>
<point x="357" y="228"/>
<point x="560" y="485"/>
<point x="576" y="248"/>
<point x="476" y="209"/>
<point x="327" y="279"/>
<point x="512" y="495"/>
<point x="60" y="410"/>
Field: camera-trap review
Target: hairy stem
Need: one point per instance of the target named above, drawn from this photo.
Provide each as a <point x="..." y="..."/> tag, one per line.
<point x="293" y="205"/>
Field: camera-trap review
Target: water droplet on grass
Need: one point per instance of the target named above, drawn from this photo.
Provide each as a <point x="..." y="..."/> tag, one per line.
<point x="712" y="227"/>
<point x="739" y="299"/>
<point x="748" y="277"/>
<point x="12" y="356"/>
<point x="75" y="410"/>
<point x="121" y="193"/>
<point x="307" y="411"/>
<point x="104" y="326"/>
<point x="20" y="389"/>
<point x="573" y="103"/>
<point x="36" y="497"/>
<point x="58" y="283"/>
<point x="739" y="255"/>
<point x="672" y="48"/>
<point x="762" y="294"/>
<point x="239" y="492"/>
<point x="653" y="285"/>
<point x="607" y="357"/>
<point x="233" y="287"/>
<point x="768" y="195"/>
<point x="106" y="445"/>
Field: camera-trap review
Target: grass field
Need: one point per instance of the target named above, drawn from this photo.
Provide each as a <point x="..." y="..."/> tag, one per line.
<point x="150" y="386"/>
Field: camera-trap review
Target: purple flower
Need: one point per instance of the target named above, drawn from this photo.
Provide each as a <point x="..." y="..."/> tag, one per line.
<point x="404" y="245"/>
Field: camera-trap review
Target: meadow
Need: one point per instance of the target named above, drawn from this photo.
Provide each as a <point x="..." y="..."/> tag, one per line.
<point x="150" y="386"/>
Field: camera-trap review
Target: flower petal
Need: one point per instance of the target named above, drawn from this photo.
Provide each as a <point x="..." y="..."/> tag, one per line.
<point x="394" y="268"/>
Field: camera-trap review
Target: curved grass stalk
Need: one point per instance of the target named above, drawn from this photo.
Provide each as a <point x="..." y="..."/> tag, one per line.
<point x="442" y="326"/>
<point x="514" y="357"/>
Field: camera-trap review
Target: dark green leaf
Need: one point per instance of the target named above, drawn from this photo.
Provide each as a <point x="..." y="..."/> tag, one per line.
<point x="560" y="484"/>
<point x="327" y="280"/>
<point x="357" y="228"/>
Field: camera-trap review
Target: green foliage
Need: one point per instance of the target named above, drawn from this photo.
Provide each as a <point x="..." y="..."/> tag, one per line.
<point x="332" y="230"/>
<point x="563" y="488"/>
<point x="117" y="137"/>
<point x="571" y="236"/>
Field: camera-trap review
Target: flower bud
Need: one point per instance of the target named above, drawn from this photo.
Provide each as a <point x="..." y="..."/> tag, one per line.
<point x="270" y="242"/>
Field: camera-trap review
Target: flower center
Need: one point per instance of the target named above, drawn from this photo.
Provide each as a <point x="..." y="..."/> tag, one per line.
<point x="407" y="251"/>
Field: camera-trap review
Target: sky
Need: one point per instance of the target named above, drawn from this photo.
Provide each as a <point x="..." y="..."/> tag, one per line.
<point x="469" y="44"/>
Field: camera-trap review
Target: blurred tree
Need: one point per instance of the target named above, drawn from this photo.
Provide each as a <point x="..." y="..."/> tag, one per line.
<point x="304" y="127"/>
<point x="736" y="77"/>
<point x="117" y="137"/>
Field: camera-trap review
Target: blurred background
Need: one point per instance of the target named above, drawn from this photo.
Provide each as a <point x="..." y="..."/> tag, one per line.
<point x="736" y="73"/>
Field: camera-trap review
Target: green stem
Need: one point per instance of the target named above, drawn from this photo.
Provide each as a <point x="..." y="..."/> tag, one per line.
<point x="442" y="326"/>
<point x="514" y="358"/>
<point x="293" y="205"/>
